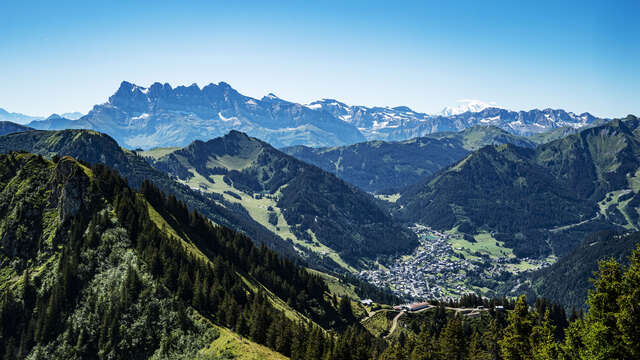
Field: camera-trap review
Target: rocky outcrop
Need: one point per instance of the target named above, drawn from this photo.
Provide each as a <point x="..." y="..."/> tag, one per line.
<point x="69" y="184"/>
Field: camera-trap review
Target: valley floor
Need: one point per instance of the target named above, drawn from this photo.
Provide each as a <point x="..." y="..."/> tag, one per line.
<point x="448" y="265"/>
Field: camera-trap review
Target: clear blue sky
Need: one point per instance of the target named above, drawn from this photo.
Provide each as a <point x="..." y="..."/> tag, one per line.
<point x="59" y="56"/>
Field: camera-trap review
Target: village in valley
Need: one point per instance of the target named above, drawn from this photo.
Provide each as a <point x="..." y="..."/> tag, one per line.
<point x="438" y="268"/>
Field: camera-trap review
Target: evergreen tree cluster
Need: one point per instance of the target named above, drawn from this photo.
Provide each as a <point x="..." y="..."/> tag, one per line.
<point x="609" y="330"/>
<point x="137" y="274"/>
<point x="194" y="265"/>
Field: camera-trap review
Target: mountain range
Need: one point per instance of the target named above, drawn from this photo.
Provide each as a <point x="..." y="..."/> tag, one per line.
<point x="139" y="117"/>
<point x="537" y="182"/>
<point x="538" y="201"/>
<point x="247" y="185"/>
<point x="24" y="119"/>
<point x="312" y="208"/>
<point x="160" y="115"/>
<point x="401" y="123"/>
<point x="386" y="167"/>
<point x="90" y="266"/>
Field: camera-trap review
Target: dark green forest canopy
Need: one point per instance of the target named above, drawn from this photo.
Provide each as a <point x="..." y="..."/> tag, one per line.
<point x="389" y="167"/>
<point x="537" y="201"/>
<point x="86" y="223"/>
<point x="339" y="215"/>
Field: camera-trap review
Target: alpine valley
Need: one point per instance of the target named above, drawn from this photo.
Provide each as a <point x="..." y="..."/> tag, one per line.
<point x="200" y="223"/>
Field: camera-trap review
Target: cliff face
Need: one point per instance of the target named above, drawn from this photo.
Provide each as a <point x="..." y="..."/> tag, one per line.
<point x="69" y="184"/>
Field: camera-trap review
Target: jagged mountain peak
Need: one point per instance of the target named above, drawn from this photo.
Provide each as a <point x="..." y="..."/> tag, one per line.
<point x="162" y="115"/>
<point x="271" y="97"/>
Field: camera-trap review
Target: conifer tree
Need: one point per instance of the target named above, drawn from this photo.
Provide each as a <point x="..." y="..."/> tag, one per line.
<point x="453" y="342"/>
<point x="602" y="339"/>
<point x="515" y="343"/>
<point x="628" y="317"/>
<point x="543" y="344"/>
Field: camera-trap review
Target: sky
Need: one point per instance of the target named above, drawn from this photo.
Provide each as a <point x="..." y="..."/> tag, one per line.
<point x="63" y="56"/>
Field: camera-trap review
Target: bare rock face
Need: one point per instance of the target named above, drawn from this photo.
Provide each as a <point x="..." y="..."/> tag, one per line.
<point x="70" y="184"/>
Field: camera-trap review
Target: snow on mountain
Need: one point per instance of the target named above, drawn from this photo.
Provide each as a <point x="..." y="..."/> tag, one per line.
<point x="161" y="115"/>
<point x="465" y="105"/>
<point x="400" y="123"/>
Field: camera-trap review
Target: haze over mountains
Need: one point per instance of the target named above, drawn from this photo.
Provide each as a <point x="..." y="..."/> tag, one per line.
<point x="161" y="115"/>
<point x="24" y="119"/>
<point x="536" y="182"/>
<point x="463" y="211"/>
<point x="379" y="166"/>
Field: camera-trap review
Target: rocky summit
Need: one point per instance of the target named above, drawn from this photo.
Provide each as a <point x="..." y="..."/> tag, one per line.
<point x="161" y="115"/>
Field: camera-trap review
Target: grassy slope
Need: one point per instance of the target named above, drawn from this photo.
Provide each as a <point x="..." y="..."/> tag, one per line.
<point x="94" y="147"/>
<point x="574" y="173"/>
<point x="258" y="209"/>
<point x="336" y="286"/>
<point x="484" y="244"/>
<point x="157" y="153"/>
<point x="380" y="323"/>
<point x="230" y="345"/>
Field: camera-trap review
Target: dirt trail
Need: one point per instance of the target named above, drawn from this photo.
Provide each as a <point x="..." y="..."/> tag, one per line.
<point x="394" y="323"/>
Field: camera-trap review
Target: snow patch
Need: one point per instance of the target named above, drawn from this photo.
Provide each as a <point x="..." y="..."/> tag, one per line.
<point x="141" y="117"/>
<point x="221" y="117"/>
<point x="465" y="105"/>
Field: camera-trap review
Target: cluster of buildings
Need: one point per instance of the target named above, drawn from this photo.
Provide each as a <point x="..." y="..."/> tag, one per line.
<point x="436" y="271"/>
<point x="432" y="271"/>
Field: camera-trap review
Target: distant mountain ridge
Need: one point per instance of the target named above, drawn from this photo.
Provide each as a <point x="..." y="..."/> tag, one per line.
<point x="17" y="117"/>
<point x="161" y="115"/>
<point x="379" y="166"/>
<point x="8" y="127"/>
<point x="401" y="123"/>
<point x="25" y="119"/>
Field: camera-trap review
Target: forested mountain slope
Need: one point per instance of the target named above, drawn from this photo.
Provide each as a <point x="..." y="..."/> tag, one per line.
<point x="94" y="147"/>
<point x="378" y="166"/>
<point x="537" y="201"/>
<point x="317" y="211"/>
<point x="91" y="268"/>
<point x="7" y="127"/>
<point x="568" y="281"/>
<point x="333" y="210"/>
